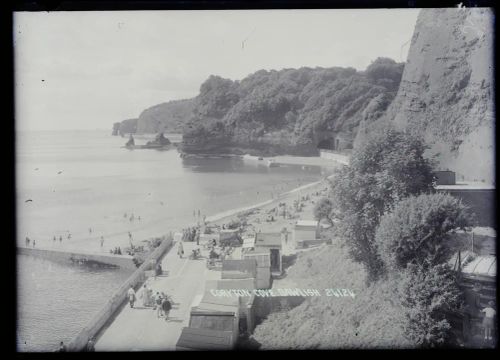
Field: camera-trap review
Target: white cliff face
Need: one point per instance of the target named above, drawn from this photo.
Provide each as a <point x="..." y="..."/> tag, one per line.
<point x="447" y="90"/>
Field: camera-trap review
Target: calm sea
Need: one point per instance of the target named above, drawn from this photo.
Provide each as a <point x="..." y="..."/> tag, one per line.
<point x="85" y="184"/>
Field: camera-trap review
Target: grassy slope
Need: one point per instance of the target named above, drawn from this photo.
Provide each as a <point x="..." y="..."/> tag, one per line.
<point x="372" y="319"/>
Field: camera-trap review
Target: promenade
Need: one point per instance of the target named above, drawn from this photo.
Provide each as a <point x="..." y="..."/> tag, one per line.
<point x="139" y="328"/>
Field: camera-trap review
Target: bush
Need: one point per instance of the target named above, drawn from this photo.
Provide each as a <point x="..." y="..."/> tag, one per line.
<point x="323" y="210"/>
<point x="427" y="295"/>
<point x="388" y="167"/>
<point x="418" y="230"/>
<point x="236" y="224"/>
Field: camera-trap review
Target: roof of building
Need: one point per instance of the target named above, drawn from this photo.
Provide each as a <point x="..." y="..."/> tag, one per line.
<point x="308" y="223"/>
<point x="222" y="304"/>
<point x="228" y="284"/>
<point x="268" y="239"/>
<point x="467" y="185"/>
<point x="246" y="265"/>
<point x="482" y="265"/>
<point x="204" y="339"/>
<point x="229" y="231"/>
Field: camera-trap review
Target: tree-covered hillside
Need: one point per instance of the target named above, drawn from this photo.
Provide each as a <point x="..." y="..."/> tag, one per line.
<point x="168" y="117"/>
<point x="288" y="111"/>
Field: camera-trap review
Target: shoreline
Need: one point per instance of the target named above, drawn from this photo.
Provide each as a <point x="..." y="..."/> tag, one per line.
<point x="260" y="206"/>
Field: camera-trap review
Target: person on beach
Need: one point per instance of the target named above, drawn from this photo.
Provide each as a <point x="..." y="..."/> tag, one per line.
<point x="60" y="239"/>
<point x="27" y="241"/>
<point x="33" y="242"/>
<point x="102" y="241"/>
<point x="69" y="236"/>
<point x="54" y="239"/>
<point x="180" y="250"/>
<point x="90" y="230"/>
<point x="489" y="315"/>
<point x="131" y="296"/>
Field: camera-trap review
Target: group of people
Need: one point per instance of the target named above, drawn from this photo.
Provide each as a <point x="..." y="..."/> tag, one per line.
<point x="28" y="240"/>
<point x="160" y="302"/>
<point x="116" y="251"/>
<point x="191" y="234"/>
<point x="132" y="217"/>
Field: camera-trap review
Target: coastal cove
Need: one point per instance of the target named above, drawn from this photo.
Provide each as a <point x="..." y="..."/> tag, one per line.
<point x="100" y="182"/>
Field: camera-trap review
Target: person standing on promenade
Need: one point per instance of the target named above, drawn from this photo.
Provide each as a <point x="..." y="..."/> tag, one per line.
<point x="489" y="315"/>
<point x="180" y="250"/>
<point x="166" y="306"/>
<point x="159" y="270"/>
<point x="158" y="301"/>
<point x="131" y="296"/>
<point x="146" y="300"/>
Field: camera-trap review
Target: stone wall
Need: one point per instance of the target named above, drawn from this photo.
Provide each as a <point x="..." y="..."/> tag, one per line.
<point x="116" y="302"/>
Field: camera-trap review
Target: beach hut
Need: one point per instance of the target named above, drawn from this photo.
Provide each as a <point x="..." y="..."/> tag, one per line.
<point x="272" y="244"/>
<point x="239" y="269"/>
<point x="213" y="325"/>
<point x="245" y="303"/>
<point x="305" y="231"/>
<point x="263" y="270"/>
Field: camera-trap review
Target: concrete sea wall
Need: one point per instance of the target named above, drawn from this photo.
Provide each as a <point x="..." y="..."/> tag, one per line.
<point x="333" y="155"/>
<point x="122" y="261"/>
<point x="116" y="302"/>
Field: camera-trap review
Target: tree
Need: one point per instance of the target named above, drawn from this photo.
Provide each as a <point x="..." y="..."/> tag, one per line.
<point x="323" y="210"/>
<point x="418" y="230"/>
<point x="427" y="295"/>
<point x="389" y="166"/>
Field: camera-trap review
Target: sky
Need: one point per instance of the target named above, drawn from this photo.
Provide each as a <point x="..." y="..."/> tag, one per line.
<point x="87" y="70"/>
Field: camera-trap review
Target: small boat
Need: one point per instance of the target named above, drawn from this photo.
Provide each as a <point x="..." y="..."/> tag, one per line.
<point x="252" y="158"/>
<point x="271" y="163"/>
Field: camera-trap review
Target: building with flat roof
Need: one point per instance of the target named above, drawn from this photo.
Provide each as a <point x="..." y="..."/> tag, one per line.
<point x="480" y="197"/>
